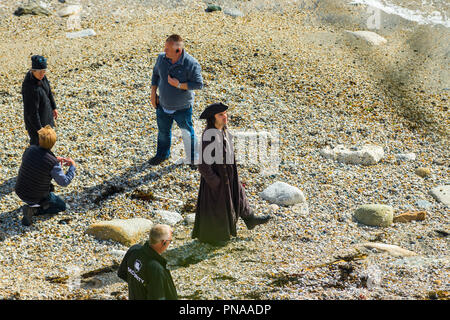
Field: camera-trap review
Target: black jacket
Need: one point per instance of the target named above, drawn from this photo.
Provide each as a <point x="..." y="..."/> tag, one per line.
<point x="146" y="273"/>
<point x="38" y="103"/>
<point x="34" y="179"/>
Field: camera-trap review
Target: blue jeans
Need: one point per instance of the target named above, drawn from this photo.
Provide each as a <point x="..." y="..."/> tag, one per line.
<point x="183" y="118"/>
<point x="56" y="204"/>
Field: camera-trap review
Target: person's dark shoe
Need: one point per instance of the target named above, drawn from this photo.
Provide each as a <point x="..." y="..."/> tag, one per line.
<point x="156" y="160"/>
<point x="252" y="221"/>
<point x="28" y="213"/>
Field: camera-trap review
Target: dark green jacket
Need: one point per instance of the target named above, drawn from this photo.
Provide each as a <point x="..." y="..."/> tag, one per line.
<point x="146" y="273"/>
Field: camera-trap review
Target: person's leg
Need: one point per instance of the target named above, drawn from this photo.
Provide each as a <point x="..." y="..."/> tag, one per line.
<point x="34" y="138"/>
<point x="164" y="122"/>
<point x="55" y="205"/>
<point x="184" y="121"/>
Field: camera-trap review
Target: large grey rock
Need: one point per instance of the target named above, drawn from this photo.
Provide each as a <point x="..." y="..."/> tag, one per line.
<point x="368" y="37"/>
<point x="283" y="194"/>
<point x="168" y="217"/>
<point x="442" y="194"/>
<point x="125" y="231"/>
<point x="367" y="155"/>
<point x="377" y="215"/>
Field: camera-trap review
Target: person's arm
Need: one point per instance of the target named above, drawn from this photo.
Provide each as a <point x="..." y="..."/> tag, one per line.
<point x="50" y="96"/>
<point x="31" y="108"/>
<point x="156" y="284"/>
<point x="195" y="81"/>
<point x="62" y="179"/>
<point x="155" y="82"/>
<point x="206" y="170"/>
<point x="122" y="271"/>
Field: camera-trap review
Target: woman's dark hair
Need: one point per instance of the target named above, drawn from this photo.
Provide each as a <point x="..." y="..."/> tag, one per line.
<point x="210" y="122"/>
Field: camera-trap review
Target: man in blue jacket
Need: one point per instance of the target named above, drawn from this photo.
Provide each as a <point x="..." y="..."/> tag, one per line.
<point x="175" y="74"/>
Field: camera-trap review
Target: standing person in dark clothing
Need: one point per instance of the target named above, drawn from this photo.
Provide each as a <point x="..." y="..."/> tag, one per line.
<point x="144" y="269"/>
<point x="221" y="198"/>
<point x="39" y="166"/>
<point x="39" y="107"/>
<point x="176" y="75"/>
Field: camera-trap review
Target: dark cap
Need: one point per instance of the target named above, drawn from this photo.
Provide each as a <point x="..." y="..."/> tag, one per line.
<point x="213" y="109"/>
<point x="38" y="62"/>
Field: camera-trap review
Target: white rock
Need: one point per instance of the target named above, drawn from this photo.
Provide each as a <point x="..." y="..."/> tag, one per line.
<point x="118" y="253"/>
<point x="393" y="250"/>
<point x="169" y="217"/>
<point x="368" y="36"/>
<point x="190" y="219"/>
<point x="367" y="155"/>
<point x="406" y="156"/>
<point x="81" y="34"/>
<point x="283" y="194"/>
<point x="441" y="193"/>
<point x="273" y="208"/>
<point x="233" y="12"/>
<point x="70" y="10"/>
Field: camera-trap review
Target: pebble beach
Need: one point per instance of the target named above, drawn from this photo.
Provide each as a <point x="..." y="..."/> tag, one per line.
<point x="289" y="67"/>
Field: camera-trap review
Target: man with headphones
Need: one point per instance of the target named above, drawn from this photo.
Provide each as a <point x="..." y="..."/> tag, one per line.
<point x="175" y="75"/>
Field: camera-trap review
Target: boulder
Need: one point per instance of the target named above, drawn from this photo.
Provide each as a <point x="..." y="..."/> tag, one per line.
<point x="442" y="194"/>
<point x="70" y="10"/>
<point x="168" y="217"/>
<point x="125" y="231"/>
<point x="376" y="215"/>
<point x="283" y="194"/>
<point x="393" y="250"/>
<point x="368" y="37"/>
<point x="410" y="216"/>
<point x="367" y="155"/>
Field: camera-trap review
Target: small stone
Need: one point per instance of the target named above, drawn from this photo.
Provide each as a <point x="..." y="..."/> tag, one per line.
<point x="169" y="217"/>
<point x="393" y="250"/>
<point x="190" y="219"/>
<point x="273" y="208"/>
<point x="406" y="156"/>
<point x="283" y="194"/>
<point x="212" y="8"/>
<point x="424" y="204"/>
<point x="80" y="34"/>
<point x="33" y="9"/>
<point x="410" y="216"/>
<point x="377" y="215"/>
<point x="70" y="10"/>
<point x="441" y="193"/>
<point x="368" y="37"/>
<point x="125" y="231"/>
<point x="235" y="13"/>
<point x="423" y="172"/>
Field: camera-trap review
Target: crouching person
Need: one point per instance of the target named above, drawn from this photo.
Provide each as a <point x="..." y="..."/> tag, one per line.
<point x="144" y="269"/>
<point x="39" y="166"/>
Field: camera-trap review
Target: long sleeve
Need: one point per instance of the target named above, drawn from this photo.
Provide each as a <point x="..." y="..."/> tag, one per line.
<point x="62" y="179"/>
<point x="206" y="170"/>
<point x="195" y="81"/>
<point x="31" y="108"/>
<point x="50" y="96"/>
<point x="155" y="75"/>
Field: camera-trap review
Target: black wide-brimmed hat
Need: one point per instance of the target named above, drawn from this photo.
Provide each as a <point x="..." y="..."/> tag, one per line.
<point x="38" y="62"/>
<point x="213" y="109"/>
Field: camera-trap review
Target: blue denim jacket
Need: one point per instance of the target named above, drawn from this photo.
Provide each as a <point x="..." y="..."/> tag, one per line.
<point x="186" y="70"/>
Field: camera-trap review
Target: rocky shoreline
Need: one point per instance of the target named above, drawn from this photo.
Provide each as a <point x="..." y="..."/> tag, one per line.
<point x="289" y="67"/>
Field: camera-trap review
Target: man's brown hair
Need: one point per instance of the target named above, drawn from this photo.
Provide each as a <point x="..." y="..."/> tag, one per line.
<point x="174" y="38"/>
<point x="47" y="137"/>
